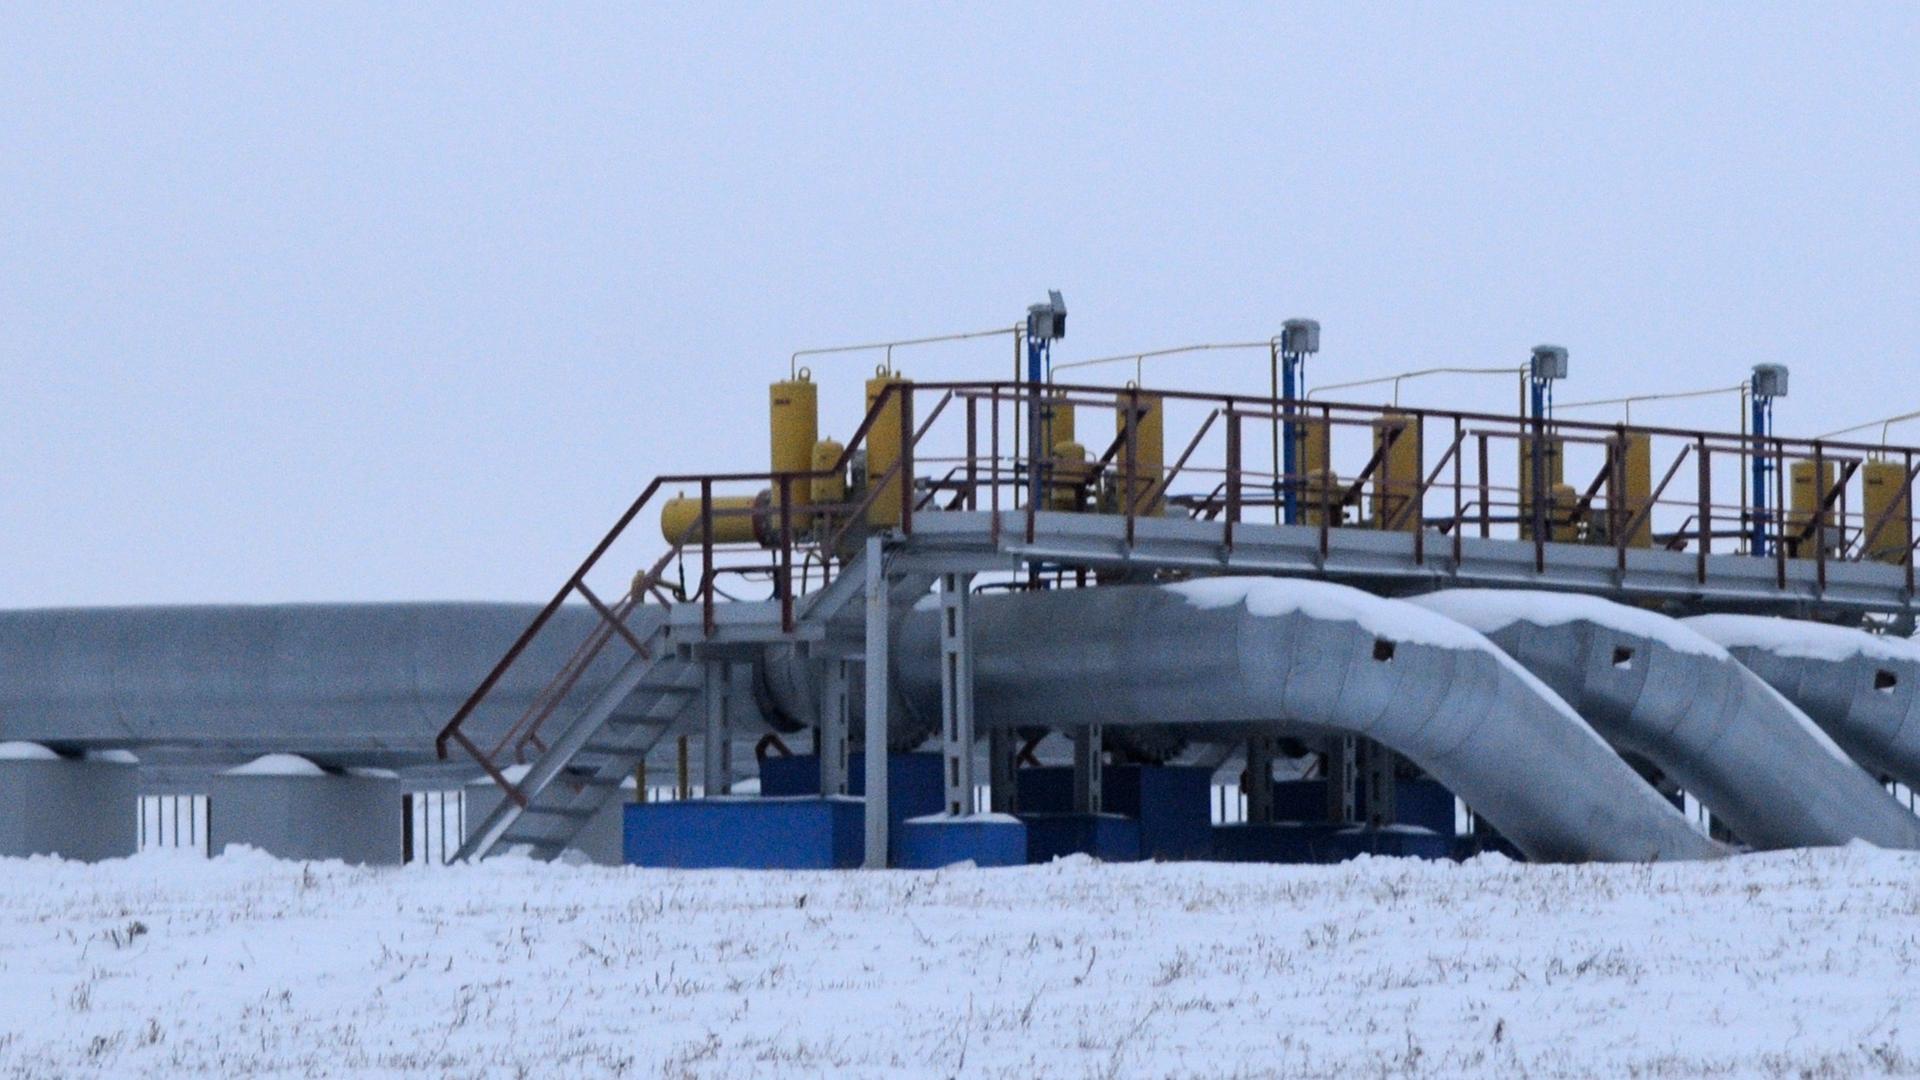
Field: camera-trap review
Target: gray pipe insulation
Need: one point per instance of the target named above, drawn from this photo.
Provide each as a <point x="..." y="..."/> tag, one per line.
<point x="342" y="683"/>
<point x="1863" y="689"/>
<point x="1316" y="657"/>
<point x="1654" y="687"/>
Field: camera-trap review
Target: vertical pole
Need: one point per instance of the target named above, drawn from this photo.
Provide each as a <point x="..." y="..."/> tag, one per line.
<point x="1459" y="483"/>
<point x="1757" y="542"/>
<point x="1703" y="514"/>
<point x="835" y="707"/>
<point x="1381" y="794"/>
<point x="1037" y="449"/>
<point x="1087" y="763"/>
<point x="1283" y="503"/>
<point x="1290" y="463"/>
<point x="1819" y="521"/>
<point x="956" y="692"/>
<point x="1486" y="491"/>
<point x="875" y="747"/>
<point x="1538" y="481"/>
<point x="683" y="780"/>
<point x="1233" y="475"/>
<point x="1342" y="771"/>
<point x="716" y="754"/>
<point x="1259" y="782"/>
<point x="1002" y="789"/>
<point x="906" y="456"/>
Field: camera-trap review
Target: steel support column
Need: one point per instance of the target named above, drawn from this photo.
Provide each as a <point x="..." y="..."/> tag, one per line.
<point x="1087" y="765"/>
<point x="877" y="696"/>
<point x="1377" y="763"/>
<point x="716" y="757"/>
<point x="1342" y="770"/>
<point x="836" y="704"/>
<point x="1258" y="784"/>
<point x="956" y="692"/>
<point x="1002" y="790"/>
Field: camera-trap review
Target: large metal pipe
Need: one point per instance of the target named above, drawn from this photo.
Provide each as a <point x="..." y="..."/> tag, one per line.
<point x="1322" y="658"/>
<point x="1656" y="688"/>
<point x="1864" y="689"/>
<point x="342" y="683"/>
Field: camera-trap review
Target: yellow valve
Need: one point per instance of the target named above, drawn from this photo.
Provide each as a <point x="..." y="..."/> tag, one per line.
<point x="1071" y="471"/>
<point x="828" y="489"/>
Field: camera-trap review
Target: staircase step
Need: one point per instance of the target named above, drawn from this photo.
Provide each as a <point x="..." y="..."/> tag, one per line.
<point x="559" y="811"/>
<point x="594" y="780"/>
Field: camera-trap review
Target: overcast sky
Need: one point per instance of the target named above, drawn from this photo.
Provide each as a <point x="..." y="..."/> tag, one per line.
<point x="357" y="304"/>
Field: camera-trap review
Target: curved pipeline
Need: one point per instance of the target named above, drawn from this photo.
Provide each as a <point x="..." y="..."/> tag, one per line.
<point x="346" y="683"/>
<point x="1238" y="651"/>
<point x="1654" y="687"/>
<point x="1864" y="689"/>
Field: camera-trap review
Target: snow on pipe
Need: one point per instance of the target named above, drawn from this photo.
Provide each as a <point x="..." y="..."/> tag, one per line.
<point x="1864" y="689"/>
<point x="343" y="683"/>
<point x="1321" y="657"/>
<point x="1654" y="687"/>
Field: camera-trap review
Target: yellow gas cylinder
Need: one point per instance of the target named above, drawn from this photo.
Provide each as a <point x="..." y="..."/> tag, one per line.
<point x="1071" y="471"/>
<point x="1056" y="419"/>
<point x="1806" y="500"/>
<point x="1637" y="464"/>
<point x="1888" y="532"/>
<point x="1149" y="449"/>
<point x="1398" y="476"/>
<point x="737" y="519"/>
<point x="883" y="450"/>
<point x="832" y="488"/>
<point x="1550" y="452"/>
<point x="794" y="427"/>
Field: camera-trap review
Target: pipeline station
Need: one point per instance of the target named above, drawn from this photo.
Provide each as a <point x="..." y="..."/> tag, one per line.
<point x="1034" y="615"/>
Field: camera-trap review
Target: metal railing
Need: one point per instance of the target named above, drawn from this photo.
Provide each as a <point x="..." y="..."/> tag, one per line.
<point x="1439" y="476"/>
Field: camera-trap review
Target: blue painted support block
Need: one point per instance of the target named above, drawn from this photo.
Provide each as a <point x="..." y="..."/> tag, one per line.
<point x="1421" y="801"/>
<point x="915" y="787"/>
<point x="1282" y="843"/>
<point x="928" y="843"/>
<point x="1171" y="802"/>
<point x="1107" y="837"/>
<point x="745" y="833"/>
<point x="1322" y="842"/>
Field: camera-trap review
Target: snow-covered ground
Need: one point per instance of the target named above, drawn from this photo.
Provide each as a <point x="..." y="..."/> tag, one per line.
<point x="1793" y="964"/>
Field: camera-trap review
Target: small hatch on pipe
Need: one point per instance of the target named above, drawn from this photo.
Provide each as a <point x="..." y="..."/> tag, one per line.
<point x="1622" y="656"/>
<point x="1382" y="650"/>
<point x="1884" y="681"/>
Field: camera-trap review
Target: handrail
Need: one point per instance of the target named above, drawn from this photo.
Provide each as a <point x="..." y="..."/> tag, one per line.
<point x="1859" y="533"/>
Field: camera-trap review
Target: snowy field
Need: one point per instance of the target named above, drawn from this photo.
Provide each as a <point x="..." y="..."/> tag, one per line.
<point x="1796" y="964"/>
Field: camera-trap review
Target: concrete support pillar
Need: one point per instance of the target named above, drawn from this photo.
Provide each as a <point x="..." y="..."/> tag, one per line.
<point x="81" y="808"/>
<point x="1258" y="785"/>
<point x="1088" y="761"/>
<point x="716" y="758"/>
<point x="1002" y="790"/>
<point x="836" y="704"/>
<point x="956" y="692"/>
<point x="878" y="695"/>
<point x="291" y="808"/>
